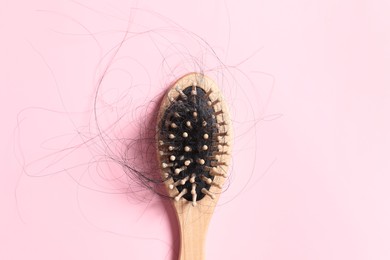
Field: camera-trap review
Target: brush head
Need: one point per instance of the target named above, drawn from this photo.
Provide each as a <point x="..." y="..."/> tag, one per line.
<point x="193" y="139"/>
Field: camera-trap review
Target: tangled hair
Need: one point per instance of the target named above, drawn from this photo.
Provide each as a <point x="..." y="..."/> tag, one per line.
<point x="110" y="146"/>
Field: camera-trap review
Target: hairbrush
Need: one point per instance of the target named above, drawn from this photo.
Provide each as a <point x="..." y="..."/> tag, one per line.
<point x="193" y="145"/>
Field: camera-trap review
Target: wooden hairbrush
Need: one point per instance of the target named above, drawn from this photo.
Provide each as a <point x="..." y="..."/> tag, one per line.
<point x="193" y="139"/>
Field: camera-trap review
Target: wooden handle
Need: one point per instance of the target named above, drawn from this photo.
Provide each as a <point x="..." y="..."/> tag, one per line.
<point x="193" y="222"/>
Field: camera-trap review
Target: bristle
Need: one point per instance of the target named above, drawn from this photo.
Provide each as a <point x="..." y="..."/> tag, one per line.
<point x="181" y="194"/>
<point x="193" y="91"/>
<point x="210" y="103"/>
<point x="171" y="148"/>
<point x="187" y="162"/>
<point x="194" y="195"/>
<point x="218" y="113"/>
<point x="219" y="153"/>
<point x="183" y="96"/>
<point x="207" y="180"/>
<point x="183" y="181"/>
<point x="214" y="172"/>
<point x="208" y="193"/>
<point x="201" y="161"/>
<point x="178" y="170"/>
<point x="218" y="163"/>
<point x="222" y="134"/>
<point x="218" y="138"/>
<point x="166" y="165"/>
<point x="176" y="183"/>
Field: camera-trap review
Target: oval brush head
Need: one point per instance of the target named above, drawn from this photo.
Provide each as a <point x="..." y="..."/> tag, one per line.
<point x="193" y="137"/>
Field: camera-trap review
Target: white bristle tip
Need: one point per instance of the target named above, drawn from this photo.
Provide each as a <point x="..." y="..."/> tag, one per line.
<point x="193" y="176"/>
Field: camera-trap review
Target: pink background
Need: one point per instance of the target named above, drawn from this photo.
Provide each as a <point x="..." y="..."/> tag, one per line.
<point x="308" y="84"/>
